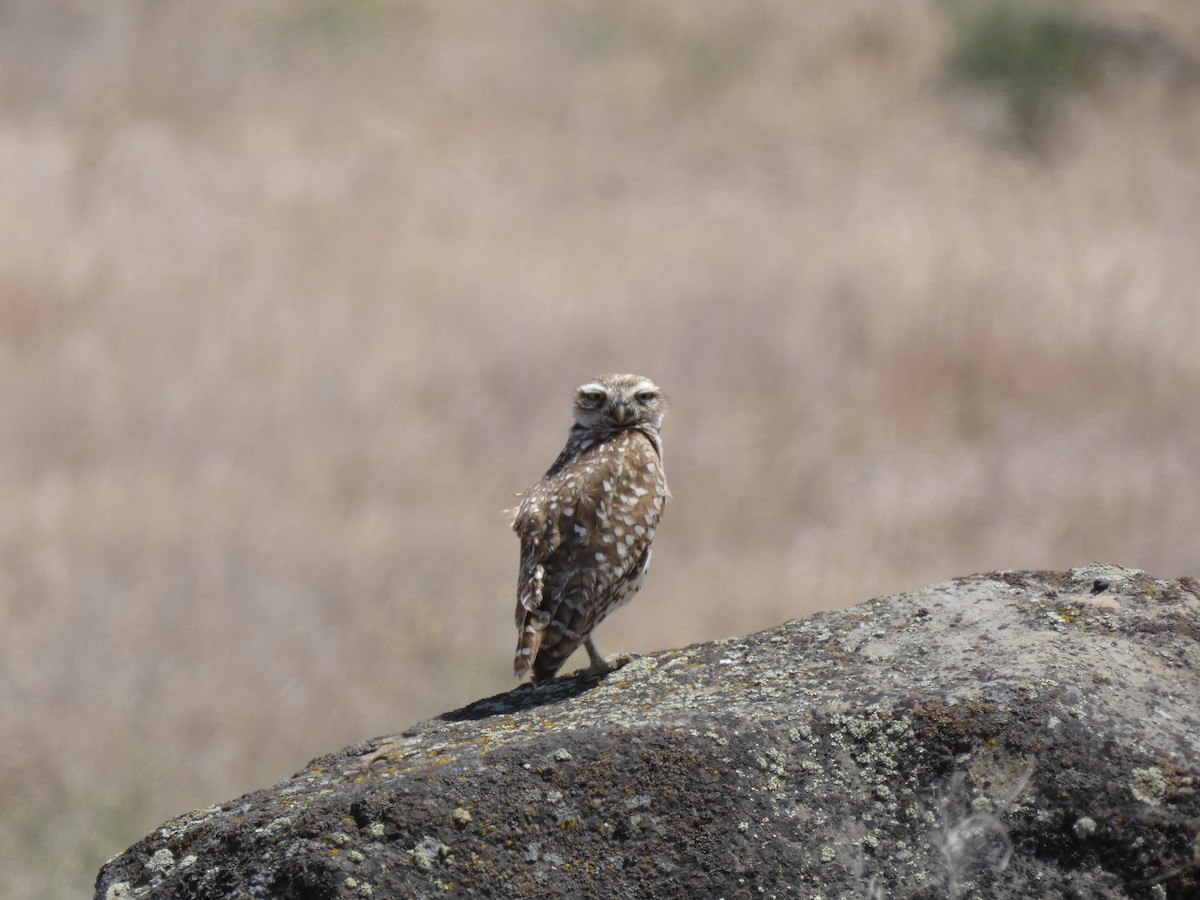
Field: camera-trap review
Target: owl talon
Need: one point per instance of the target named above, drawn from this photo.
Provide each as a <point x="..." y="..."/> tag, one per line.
<point x="609" y="664"/>
<point x="601" y="665"/>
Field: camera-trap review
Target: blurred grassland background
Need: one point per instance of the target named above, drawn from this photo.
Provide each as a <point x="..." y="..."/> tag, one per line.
<point x="293" y="296"/>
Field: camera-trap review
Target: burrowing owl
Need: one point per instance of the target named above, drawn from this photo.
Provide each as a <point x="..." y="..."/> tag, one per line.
<point x="587" y="526"/>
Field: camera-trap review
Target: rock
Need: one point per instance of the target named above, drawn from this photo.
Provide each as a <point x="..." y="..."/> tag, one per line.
<point x="1016" y="734"/>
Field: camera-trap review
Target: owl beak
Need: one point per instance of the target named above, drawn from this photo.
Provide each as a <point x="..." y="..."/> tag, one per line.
<point x="621" y="412"/>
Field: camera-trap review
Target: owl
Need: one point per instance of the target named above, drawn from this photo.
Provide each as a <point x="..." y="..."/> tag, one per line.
<point x="587" y="526"/>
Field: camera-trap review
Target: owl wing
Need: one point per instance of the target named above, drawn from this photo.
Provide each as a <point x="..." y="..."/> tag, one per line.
<point x="548" y="509"/>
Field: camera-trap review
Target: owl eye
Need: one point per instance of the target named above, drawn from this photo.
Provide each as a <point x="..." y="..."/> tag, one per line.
<point x="592" y="398"/>
<point x="645" y="396"/>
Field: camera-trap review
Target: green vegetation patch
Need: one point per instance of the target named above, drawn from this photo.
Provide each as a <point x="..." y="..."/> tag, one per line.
<point x="1029" y="52"/>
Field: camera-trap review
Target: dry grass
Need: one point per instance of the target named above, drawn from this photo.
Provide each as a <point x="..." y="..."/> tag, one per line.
<point x="294" y="296"/>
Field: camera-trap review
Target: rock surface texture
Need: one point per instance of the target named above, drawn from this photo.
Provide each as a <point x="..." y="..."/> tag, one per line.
<point x="1016" y="734"/>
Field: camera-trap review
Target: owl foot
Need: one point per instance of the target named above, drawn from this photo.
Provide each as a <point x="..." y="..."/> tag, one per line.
<point x="601" y="665"/>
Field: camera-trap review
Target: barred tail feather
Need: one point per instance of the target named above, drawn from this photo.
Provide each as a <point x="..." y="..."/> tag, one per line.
<point x="531" y="621"/>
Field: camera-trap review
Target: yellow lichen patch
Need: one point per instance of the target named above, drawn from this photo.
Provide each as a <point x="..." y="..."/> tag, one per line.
<point x="1149" y="785"/>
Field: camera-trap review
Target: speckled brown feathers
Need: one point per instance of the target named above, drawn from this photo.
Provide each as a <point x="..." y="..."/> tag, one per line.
<point x="587" y="526"/>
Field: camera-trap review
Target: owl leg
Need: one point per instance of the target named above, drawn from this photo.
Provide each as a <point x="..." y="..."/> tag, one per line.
<point x="600" y="665"/>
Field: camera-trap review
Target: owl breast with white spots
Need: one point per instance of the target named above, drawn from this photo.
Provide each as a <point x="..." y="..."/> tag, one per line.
<point x="586" y="528"/>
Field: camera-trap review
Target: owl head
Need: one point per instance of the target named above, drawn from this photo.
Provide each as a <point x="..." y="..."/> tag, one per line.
<point x="619" y="401"/>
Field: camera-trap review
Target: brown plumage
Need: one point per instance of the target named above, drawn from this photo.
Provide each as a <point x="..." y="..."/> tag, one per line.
<point x="587" y="526"/>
